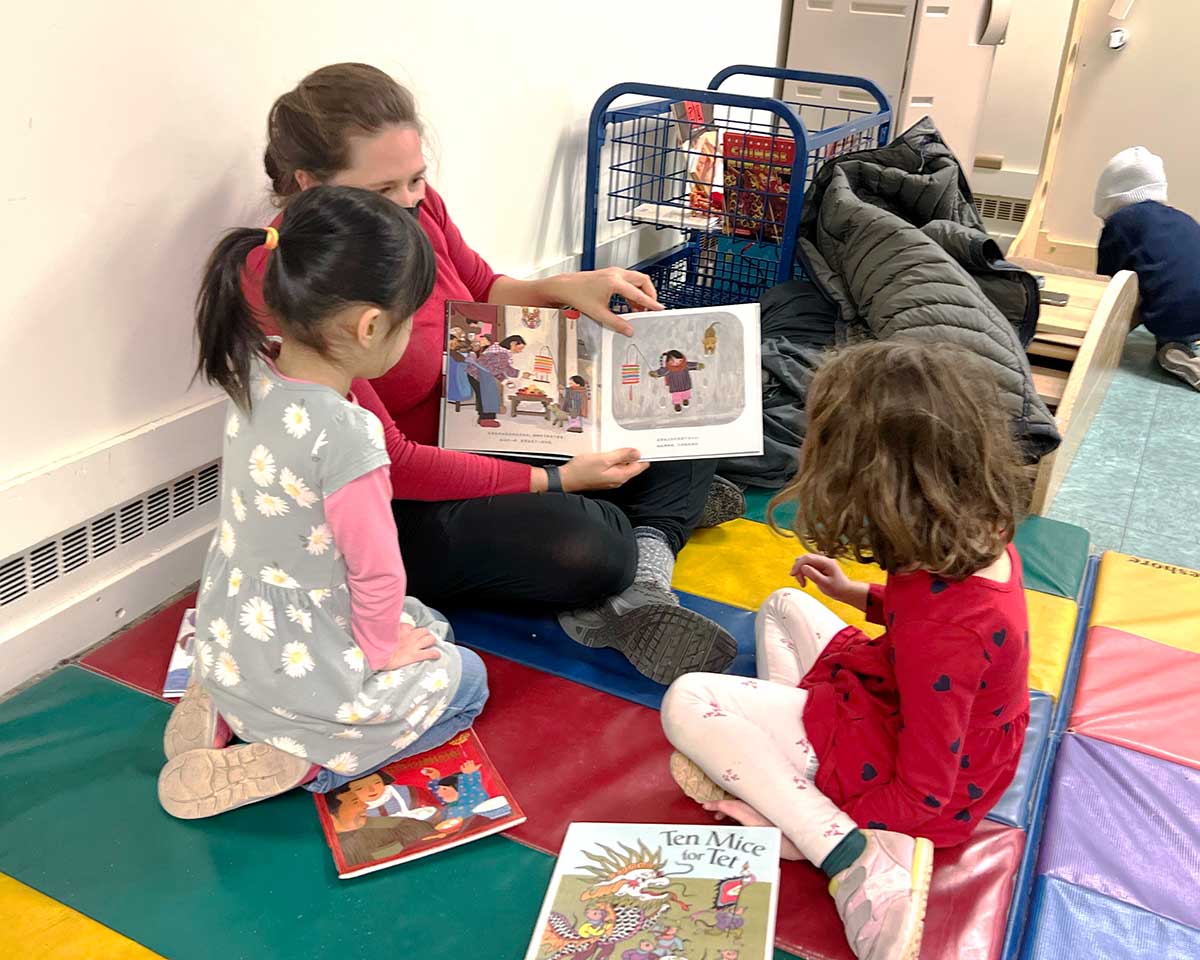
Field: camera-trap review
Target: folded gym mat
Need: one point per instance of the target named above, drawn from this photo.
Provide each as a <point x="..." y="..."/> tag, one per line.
<point x="1158" y="601"/>
<point x="80" y="822"/>
<point x="1140" y="694"/>
<point x="1014" y="807"/>
<point x="1069" y="922"/>
<point x="1125" y="825"/>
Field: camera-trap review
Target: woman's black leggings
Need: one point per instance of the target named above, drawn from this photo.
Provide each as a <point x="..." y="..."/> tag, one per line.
<point x="552" y="550"/>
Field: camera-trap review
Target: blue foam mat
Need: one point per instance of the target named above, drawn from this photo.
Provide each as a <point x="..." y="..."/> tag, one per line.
<point x="1070" y="921"/>
<point x="1016" y="806"/>
<point x="1018" y="910"/>
<point x="539" y="642"/>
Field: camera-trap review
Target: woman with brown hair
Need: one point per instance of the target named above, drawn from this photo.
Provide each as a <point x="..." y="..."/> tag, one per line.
<point x="598" y="534"/>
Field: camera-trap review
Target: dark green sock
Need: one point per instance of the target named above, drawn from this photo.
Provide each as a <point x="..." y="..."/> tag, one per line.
<point x="844" y="854"/>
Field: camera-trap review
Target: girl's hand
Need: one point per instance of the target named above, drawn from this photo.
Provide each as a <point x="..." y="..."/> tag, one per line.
<point x="415" y="644"/>
<point x="825" y="572"/>
<point x="591" y="292"/>
<point x="601" y="471"/>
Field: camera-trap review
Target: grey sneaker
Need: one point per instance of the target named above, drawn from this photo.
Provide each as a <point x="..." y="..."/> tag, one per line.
<point x="1180" y="360"/>
<point x="203" y="783"/>
<point x="725" y="502"/>
<point x="192" y="724"/>
<point x="660" y="638"/>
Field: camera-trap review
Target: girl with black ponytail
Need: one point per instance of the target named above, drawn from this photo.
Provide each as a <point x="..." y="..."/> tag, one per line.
<point x="307" y="648"/>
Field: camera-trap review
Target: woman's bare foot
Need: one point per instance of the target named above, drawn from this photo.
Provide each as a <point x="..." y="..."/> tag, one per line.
<point x="747" y="816"/>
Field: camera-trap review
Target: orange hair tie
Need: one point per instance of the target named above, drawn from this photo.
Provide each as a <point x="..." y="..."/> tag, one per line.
<point x="272" y="240"/>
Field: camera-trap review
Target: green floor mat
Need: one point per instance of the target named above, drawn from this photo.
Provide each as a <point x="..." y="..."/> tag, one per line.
<point x="79" y="821"/>
<point x="1054" y="554"/>
<point x="756" y="507"/>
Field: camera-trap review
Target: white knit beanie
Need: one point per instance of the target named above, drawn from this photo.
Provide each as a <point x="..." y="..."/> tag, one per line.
<point x="1131" y="176"/>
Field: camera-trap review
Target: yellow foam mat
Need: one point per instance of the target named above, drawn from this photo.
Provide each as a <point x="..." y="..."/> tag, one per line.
<point x="35" y="927"/>
<point x="1157" y="601"/>
<point x="742" y="563"/>
<point x="1051" y="628"/>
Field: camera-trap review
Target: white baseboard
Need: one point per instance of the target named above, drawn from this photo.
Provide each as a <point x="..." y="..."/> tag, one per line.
<point x="48" y="635"/>
<point x="46" y="501"/>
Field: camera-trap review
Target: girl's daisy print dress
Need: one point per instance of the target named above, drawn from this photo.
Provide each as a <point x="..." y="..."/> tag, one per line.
<point x="274" y="641"/>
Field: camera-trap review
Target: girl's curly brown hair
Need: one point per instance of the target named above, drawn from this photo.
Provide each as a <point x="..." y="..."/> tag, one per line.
<point x="909" y="461"/>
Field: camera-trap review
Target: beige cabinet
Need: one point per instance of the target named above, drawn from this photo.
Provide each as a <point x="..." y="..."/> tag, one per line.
<point x="931" y="57"/>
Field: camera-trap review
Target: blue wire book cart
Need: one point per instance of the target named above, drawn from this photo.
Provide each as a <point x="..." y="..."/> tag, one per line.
<point x="728" y="171"/>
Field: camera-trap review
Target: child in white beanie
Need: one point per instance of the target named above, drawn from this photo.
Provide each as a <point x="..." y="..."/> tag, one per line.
<point x="1162" y="246"/>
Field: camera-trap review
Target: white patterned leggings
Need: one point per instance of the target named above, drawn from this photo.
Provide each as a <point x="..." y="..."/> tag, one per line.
<point x="748" y="735"/>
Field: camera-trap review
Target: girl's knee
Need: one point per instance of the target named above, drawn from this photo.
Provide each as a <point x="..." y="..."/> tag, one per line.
<point x="680" y="701"/>
<point x="791" y="604"/>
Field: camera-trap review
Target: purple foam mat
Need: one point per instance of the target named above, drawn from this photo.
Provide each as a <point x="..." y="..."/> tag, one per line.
<point x="1126" y="825"/>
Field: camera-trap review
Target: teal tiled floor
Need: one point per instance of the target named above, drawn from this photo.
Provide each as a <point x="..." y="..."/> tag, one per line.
<point x="1135" y="482"/>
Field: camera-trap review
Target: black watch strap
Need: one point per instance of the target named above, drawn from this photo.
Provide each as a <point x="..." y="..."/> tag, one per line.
<point x="553" y="480"/>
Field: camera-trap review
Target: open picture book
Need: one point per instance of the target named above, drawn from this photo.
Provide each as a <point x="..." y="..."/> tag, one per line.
<point x="416" y="807"/>
<point x="540" y="382"/>
<point x="650" y="891"/>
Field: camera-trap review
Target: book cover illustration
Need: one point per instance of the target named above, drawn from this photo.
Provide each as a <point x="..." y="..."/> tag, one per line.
<point x="179" y="670"/>
<point x="516" y="381"/>
<point x="758" y="179"/>
<point x="661" y="892"/>
<point x="416" y="807"/>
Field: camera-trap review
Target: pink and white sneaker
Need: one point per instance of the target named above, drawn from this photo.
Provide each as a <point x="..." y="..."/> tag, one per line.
<point x="194" y="724"/>
<point x="881" y="896"/>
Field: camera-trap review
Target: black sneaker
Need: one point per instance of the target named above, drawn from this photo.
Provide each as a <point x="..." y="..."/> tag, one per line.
<point x="659" y="637"/>
<point x="725" y="502"/>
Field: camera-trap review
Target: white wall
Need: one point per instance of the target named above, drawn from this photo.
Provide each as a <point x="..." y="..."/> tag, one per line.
<point x="133" y="134"/>
<point x="1020" y="96"/>
<point x="1139" y="95"/>
<point x="132" y="137"/>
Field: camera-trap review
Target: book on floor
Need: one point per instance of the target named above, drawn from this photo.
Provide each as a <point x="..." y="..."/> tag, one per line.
<point x="540" y="382"/>
<point x="640" y="891"/>
<point x="416" y="807"/>
<point x="180" y="667"/>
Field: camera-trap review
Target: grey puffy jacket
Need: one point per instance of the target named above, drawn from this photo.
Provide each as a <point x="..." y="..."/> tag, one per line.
<point x="893" y="238"/>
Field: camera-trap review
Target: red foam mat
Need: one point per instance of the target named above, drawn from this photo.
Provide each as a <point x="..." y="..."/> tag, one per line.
<point x="1139" y="694"/>
<point x="138" y="657"/>
<point x="571" y="753"/>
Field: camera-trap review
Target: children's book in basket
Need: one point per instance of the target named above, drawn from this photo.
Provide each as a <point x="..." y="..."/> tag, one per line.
<point x="539" y="382"/>
<point x="758" y="178"/>
<point x="416" y="807"/>
<point x="639" y="891"/>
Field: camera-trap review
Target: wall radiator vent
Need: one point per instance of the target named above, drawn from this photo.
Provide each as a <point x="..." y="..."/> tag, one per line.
<point x="1005" y="209"/>
<point x="58" y="557"/>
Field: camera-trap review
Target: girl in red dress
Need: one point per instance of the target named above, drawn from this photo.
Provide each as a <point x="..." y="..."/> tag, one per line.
<point x="867" y="753"/>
